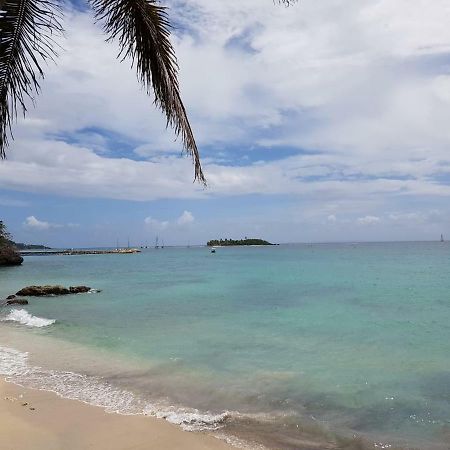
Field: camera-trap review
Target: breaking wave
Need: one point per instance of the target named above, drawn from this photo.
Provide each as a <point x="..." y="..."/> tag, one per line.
<point x="23" y="317"/>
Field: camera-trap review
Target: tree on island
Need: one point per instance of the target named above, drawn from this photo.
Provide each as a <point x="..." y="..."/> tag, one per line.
<point x="142" y="29"/>
<point x="8" y="253"/>
<point x="230" y="242"/>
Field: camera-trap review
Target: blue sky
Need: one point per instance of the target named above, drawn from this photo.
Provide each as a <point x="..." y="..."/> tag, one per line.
<point x="319" y="122"/>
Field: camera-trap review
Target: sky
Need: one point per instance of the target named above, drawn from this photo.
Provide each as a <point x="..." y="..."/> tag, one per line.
<point x="324" y="121"/>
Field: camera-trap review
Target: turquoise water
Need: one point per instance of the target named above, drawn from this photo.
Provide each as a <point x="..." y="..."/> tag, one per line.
<point x="333" y="338"/>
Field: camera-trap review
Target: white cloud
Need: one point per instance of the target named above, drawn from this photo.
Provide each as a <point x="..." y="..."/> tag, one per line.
<point x="331" y="218"/>
<point x="155" y="224"/>
<point x="32" y="222"/>
<point x="185" y="219"/>
<point x="368" y="220"/>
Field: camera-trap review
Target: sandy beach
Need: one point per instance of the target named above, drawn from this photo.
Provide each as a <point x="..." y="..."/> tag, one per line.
<point x="37" y="420"/>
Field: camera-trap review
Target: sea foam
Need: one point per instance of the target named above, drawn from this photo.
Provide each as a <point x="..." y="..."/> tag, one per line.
<point x="23" y="317"/>
<point x="99" y="392"/>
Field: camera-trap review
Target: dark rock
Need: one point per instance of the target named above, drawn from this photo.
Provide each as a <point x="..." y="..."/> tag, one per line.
<point x="9" y="256"/>
<point x="79" y="289"/>
<point x="17" y="301"/>
<point x="10" y="297"/>
<point x="39" y="291"/>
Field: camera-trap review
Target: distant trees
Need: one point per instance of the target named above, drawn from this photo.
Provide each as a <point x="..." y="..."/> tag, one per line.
<point x="5" y="237"/>
<point x="8" y="253"/>
<point x="230" y="242"/>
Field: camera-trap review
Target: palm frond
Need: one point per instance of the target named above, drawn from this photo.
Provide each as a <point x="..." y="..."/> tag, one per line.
<point x="142" y="29"/>
<point x="27" y="28"/>
<point x="287" y="2"/>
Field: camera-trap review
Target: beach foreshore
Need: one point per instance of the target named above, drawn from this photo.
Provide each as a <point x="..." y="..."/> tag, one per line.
<point x="37" y="420"/>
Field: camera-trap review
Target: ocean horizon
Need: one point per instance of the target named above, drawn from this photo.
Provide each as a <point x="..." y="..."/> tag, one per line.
<point x="337" y="343"/>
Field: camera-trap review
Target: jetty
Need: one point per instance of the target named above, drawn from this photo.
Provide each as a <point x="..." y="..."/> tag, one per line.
<point x="121" y="251"/>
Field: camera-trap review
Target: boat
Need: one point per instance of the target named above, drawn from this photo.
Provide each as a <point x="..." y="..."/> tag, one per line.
<point x="442" y="238"/>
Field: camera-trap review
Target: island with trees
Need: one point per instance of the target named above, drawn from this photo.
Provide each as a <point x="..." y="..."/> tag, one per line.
<point x="232" y="242"/>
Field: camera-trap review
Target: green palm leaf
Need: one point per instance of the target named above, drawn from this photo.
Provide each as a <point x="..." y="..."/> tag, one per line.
<point x="27" y="28"/>
<point x="142" y="30"/>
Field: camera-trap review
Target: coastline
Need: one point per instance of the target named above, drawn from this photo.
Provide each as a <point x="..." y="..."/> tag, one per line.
<point x="57" y="423"/>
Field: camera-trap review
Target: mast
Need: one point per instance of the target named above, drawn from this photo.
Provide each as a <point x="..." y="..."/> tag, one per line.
<point x="156" y="242"/>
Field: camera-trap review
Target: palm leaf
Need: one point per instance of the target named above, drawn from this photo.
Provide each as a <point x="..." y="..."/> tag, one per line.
<point x="287" y="2"/>
<point x="27" y="28"/>
<point x="142" y="29"/>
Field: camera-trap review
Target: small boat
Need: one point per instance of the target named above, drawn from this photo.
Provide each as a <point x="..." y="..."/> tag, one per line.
<point x="213" y="250"/>
<point x="442" y="238"/>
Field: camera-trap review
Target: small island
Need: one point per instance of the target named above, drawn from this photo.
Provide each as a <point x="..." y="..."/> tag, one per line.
<point x="232" y="242"/>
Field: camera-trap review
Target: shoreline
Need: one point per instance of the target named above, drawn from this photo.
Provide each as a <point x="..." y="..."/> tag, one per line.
<point x="32" y="419"/>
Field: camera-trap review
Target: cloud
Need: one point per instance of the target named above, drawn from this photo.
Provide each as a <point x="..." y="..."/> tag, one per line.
<point x="156" y="224"/>
<point x="185" y="219"/>
<point x="33" y="223"/>
<point x="331" y="218"/>
<point x="368" y="220"/>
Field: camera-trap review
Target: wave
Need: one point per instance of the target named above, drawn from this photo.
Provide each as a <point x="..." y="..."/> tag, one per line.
<point x="99" y="392"/>
<point x="23" y="317"/>
<point x="190" y="420"/>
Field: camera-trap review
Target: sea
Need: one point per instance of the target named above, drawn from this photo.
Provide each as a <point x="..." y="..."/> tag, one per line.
<point x="306" y="346"/>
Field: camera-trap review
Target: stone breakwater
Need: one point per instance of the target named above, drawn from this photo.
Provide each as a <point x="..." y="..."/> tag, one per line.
<point x="122" y="251"/>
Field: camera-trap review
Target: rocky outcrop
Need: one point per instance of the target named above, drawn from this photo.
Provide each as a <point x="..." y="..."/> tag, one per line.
<point x="9" y="256"/>
<point x="41" y="291"/>
<point x="79" y="289"/>
<point x="17" y="301"/>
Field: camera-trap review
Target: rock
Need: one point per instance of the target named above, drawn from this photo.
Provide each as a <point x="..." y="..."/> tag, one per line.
<point x="40" y="291"/>
<point x="79" y="289"/>
<point x="9" y="256"/>
<point x="10" y="297"/>
<point x="17" y="301"/>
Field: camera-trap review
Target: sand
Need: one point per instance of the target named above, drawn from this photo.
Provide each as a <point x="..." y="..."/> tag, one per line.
<point x="37" y="420"/>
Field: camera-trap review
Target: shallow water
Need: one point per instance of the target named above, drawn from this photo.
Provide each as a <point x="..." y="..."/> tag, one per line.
<point x="301" y="340"/>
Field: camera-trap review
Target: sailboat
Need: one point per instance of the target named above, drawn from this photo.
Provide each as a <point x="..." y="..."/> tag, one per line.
<point x="157" y="242"/>
<point x="442" y="238"/>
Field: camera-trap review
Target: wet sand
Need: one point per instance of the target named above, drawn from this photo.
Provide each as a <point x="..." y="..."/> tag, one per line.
<point x="37" y="420"/>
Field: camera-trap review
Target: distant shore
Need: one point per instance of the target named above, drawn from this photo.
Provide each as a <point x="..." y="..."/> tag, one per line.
<point x="39" y="420"/>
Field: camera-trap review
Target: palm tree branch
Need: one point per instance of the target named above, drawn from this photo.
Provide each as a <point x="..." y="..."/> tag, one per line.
<point x="142" y="30"/>
<point x="27" y="28"/>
